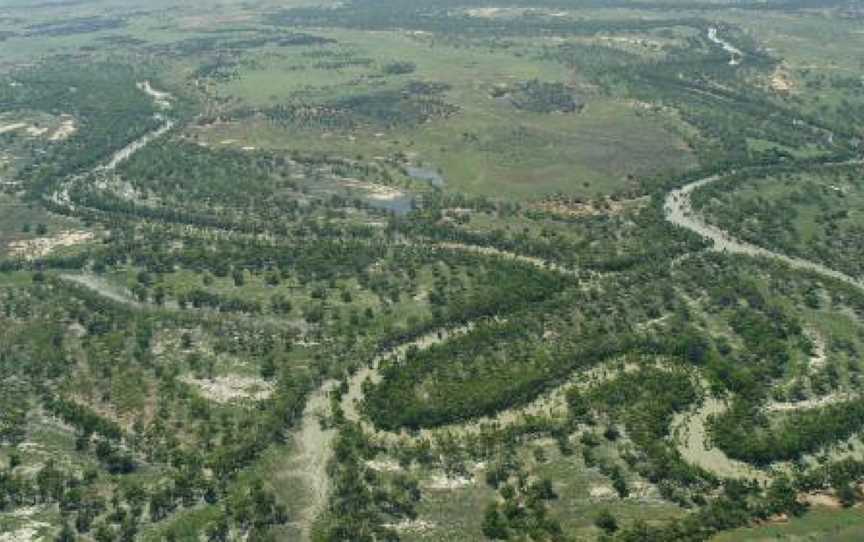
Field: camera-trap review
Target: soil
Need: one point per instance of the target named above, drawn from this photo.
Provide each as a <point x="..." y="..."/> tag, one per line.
<point x="38" y="248"/>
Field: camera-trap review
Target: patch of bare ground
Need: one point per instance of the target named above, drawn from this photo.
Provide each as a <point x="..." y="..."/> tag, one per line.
<point x="818" y="357"/>
<point x="32" y="249"/>
<point x="417" y="526"/>
<point x="821" y="498"/>
<point x="314" y="446"/>
<point x="161" y="99"/>
<point x="232" y="388"/>
<point x="443" y="482"/>
<point x="36" y="131"/>
<point x="65" y="130"/>
<point x="12" y="127"/>
<point x="816" y="402"/>
<point x="29" y="533"/>
<point x="194" y="22"/>
<point x="575" y="207"/>
<point x="378" y="192"/>
<point x="781" y="81"/>
<point x="384" y="465"/>
<point x="602" y="493"/>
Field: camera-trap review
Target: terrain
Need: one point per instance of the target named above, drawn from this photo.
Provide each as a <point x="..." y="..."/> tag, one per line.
<point x="452" y="270"/>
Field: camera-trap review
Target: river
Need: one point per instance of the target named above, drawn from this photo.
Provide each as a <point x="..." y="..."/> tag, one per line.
<point x="736" y="54"/>
<point x="679" y="211"/>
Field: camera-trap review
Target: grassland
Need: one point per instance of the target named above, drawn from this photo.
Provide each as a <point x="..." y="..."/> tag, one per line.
<point x="828" y="524"/>
<point x="488" y="147"/>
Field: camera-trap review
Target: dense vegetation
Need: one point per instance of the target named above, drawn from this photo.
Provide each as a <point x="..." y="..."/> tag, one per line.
<point x="277" y="315"/>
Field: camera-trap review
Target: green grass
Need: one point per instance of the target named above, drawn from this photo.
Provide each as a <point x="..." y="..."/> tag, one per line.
<point x="819" y="524"/>
<point x="488" y="147"/>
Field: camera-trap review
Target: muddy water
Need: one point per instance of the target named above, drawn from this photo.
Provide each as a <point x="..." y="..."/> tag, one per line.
<point x="736" y="54"/>
<point x="691" y="433"/>
<point x="679" y="211"/>
<point x="429" y="175"/>
<point x="315" y="443"/>
<point x="126" y="152"/>
<point x="61" y="196"/>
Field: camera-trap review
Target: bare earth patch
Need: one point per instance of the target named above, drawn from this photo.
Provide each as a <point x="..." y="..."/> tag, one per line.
<point x="411" y="526"/>
<point x="25" y="534"/>
<point x="35" y="131"/>
<point x="384" y="465"/>
<point x="378" y="192"/>
<point x="12" y="127"/>
<point x="444" y="482"/>
<point x="574" y="208"/>
<point x="66" y="129"/>
<point x="602" y="492"/>
<point x="38" y="248"/>
<point x="810" y="403"/>
<point x="821" y="499"/>
<point x="226" y="389"/>
<point x="781" y="81"/>
<point x="485" y="13"/>
<point x="30" y="532"/>
<point x="162" y="99"/>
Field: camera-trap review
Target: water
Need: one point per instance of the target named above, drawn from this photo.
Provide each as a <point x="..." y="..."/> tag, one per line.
<point x="735" y="53"/>
<point x="401" y="205"/>
<point x="425" y="174"/>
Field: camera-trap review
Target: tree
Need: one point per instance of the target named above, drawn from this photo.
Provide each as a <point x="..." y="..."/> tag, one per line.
<point x="782" y="497"/>
<point x="218" y="531"/>
<point x="606" y="521"/>
<point x="494" y="525"/>
<point x="239" y="279"/>
<point x="66" y="534"/>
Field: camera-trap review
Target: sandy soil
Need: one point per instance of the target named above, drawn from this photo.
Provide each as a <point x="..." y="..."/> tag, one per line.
<point x="38" y="248"/>
<point x="35" y="131"/>
<point x="816" y="402"/>
<point x="29" y="533"/>
<point x="314" y="445"/>
<point x="781" y="81"/>
<point x="411" y="526"/>
<point x="602" y="493"/>
<point x="692" y="436"/>
<point x="568" y="208"/>
<point x="162" y="99"/>
<point x="66" y="129"/>
<point x="227" y="389"/>
<point x="374" y="191"/>
<point x="441" y="482"/>
<point x="12" y="127"/>
<point x="821" y="499"/>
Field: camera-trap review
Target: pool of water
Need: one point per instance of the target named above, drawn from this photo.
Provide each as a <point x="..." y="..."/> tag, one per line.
<point x="427" y="174"/>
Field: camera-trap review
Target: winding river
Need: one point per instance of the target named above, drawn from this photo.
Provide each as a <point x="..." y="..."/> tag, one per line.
<point x="679" y="211"/>
<point x="314" y="440"/>
<point x="736" y="54"/>
<point x="161" y="100"/>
